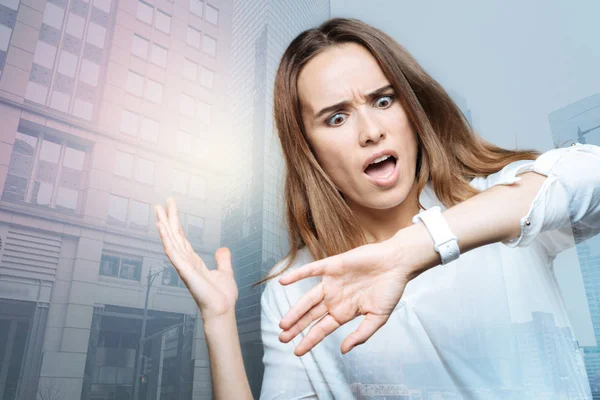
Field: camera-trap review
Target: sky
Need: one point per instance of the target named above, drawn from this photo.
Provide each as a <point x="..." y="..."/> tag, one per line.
<point x="514" y="62"/>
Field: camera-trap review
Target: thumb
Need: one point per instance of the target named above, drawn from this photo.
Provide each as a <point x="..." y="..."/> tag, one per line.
<point x="223" y="257"/>
<point x="365" y="330"/>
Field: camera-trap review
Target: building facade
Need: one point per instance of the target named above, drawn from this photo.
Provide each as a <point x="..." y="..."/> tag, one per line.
<point x="106" y="107"/>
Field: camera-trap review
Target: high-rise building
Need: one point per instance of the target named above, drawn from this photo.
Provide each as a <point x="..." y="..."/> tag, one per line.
<point x="106" y="107"/>
<point x="580" y="122"/>
<point x="252" y="224"/>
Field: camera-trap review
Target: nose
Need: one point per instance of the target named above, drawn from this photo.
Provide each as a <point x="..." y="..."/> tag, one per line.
<point x="370" y="131"/>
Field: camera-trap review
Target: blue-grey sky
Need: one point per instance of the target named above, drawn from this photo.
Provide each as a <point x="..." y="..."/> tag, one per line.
<point x="514" y="62"/>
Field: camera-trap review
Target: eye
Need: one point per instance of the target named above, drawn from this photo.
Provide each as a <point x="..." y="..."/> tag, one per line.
<point x="385" y="100"/>
<point x="336" y="119"/>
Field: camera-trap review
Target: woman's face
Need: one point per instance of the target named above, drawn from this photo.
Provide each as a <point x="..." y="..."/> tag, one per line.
<point x="352" y="118"/>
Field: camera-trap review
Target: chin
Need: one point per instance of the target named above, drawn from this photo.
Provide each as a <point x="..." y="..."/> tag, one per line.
<point x="386" y="200"/>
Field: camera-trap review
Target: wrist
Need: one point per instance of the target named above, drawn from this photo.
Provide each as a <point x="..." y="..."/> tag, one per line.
<point x="417" y="249"/>
<point x="216" y="324"/>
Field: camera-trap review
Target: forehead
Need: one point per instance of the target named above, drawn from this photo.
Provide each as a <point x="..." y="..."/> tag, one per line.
<point x="338" y="74"/>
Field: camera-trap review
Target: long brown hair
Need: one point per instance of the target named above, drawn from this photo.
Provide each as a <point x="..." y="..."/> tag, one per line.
<point x="451" y="154"/>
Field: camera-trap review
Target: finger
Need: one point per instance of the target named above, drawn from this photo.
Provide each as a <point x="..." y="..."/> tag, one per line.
<point x="169" y="247"/>
<point x="311" y="298"/>
<point x="174" y="223"/>
<point x="315" y="268"/>
<point x="223" y="258"/>
<point x="164" y="222"/>
<point x="316" y="334"/>
<point x="365" y="330"/>
<point x="312" y="315"/>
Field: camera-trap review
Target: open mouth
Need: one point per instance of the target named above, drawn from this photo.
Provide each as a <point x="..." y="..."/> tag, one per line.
<point x="382" y="167"/>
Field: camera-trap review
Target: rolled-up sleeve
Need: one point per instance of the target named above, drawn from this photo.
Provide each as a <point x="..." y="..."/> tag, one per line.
<point x="566" y="209"/>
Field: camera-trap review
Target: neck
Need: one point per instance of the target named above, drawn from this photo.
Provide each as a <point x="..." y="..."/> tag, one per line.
<point x="379" y="225"/>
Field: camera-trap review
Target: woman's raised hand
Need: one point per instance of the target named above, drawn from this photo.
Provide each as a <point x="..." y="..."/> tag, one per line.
<point x="214" y="291"/>
<point x="368" y="280"/>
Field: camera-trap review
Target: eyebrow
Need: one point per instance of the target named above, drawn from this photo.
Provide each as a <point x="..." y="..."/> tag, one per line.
<point x="344" y="104"/>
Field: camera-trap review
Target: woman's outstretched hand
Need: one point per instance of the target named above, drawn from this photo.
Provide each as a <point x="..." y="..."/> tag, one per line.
<point x="214" y="291"/>
<point x="368" y="280"/>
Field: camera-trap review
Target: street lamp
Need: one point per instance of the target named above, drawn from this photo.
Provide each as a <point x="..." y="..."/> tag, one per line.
<point x="152" y="274"/>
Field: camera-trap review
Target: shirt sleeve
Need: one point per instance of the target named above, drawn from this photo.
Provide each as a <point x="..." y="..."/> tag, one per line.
<point x="566" y="209"/>
<point x="285" y="376"/>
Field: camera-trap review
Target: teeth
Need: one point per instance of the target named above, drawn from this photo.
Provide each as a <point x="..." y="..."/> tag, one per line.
<point x="380" y="159"/>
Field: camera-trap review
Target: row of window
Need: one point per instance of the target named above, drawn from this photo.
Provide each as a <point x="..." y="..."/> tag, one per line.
<point x="162" y="20"/>
<point x="49" y="171"/>
<point x="142" y="170"/>
<point x="46" y="171"/>
<point x="130" y="268"/>
<point x="148" y="129"/>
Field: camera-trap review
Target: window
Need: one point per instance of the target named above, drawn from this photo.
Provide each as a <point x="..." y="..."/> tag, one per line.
<point x="44" y="55"/>
<point x="46" y="171"/>
<point x="212" y="15"/>
<point x="195" y="229"/>
<point x="89" y="72"/>
<point x="193" y="37"/>
<point x="53" y="16"/>
<point x="129" y="122"/>
<point x="207" y="78"/>
<point x="103" y="5"/>
<point x="184" y="143"/>
<point x="180" y="182"/>
<point x="96" y="35"/>
<point x="135" y="83"/>
<point x="121" y="267"/>
<point x="75" y="25"/>
<point x="204" y="111"/>
<point x="154" y="91"/>
<point x="150" y="129"/>
<point x="123" y="164"/>
<point x="117" y="209"/>
<point x="144" y="171"/>
<point x="209" y="45"/>
<point x="159" y="55"/>
<point x="197" y="187"/>
<point x="5" y="33"/>
<point x="144" y="12"/>
<point x="196" y="7"/>
<point x="186" y="105"/>
<point x="190" y="70"/>
<point x="138" y="214"/>
<point x="140" y="47"/>
<point x="201" y="150"/>
<point x="67" y="64"/>
<point x="163" y="22"/>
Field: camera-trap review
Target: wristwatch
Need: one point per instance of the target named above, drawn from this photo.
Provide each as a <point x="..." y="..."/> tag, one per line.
<point x="445" y="242"/>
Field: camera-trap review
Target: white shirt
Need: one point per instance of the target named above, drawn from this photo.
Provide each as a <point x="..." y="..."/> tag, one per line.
<point x="491" y="324"/>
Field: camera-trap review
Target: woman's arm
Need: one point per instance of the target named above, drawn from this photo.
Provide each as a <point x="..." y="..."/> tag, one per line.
<point x="215" y="292"/>
<point x="559" y="189"/>
<point x="227" y="371"/>
<point x="488" y="217"/>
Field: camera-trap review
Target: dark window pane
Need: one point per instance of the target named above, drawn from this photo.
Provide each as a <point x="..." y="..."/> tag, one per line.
<point x="131" y="269"/>
<point x="109" y="265"/>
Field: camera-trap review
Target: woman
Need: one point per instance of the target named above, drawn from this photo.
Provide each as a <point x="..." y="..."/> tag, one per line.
<point x="372" y="145"/>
